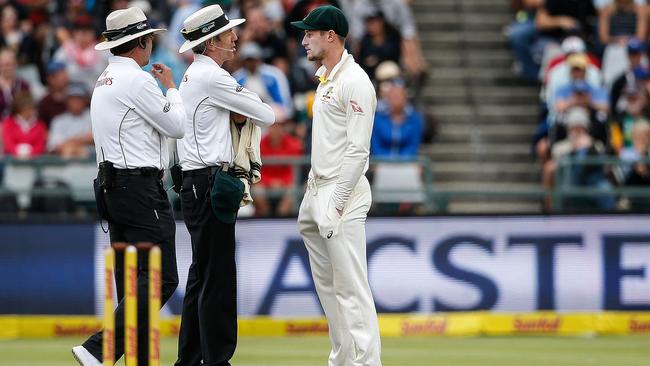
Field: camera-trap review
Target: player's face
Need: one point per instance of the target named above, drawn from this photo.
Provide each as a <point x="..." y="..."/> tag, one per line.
<point x="314" y="42"/>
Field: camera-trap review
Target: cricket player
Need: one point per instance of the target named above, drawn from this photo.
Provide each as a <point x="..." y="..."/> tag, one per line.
<point x="333" y="211"/>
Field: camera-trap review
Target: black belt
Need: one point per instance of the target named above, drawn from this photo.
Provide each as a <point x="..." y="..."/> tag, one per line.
<point x="210" y="170"/>
<point x="145" y="172"/>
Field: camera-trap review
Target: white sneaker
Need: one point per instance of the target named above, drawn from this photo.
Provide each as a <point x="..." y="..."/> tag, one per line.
<point x="84" y="357"/>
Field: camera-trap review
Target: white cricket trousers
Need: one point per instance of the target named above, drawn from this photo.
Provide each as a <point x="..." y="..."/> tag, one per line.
<point x="340" y="273"/>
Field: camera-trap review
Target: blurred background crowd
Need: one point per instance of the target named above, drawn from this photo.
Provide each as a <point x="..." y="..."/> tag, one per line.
<point x="48" y="70"/>
<point x="587" y="60"/>
<point x="590" y="61"/>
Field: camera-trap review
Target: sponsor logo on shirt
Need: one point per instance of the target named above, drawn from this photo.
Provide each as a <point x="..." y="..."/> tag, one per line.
<point x="328" y="94"/>
<point x="356" y="108"/>
<point x="167" y="107"/>
<point x="104" y="81"/>
<point x="239" y="88"/>
<point x="185" y="78"/>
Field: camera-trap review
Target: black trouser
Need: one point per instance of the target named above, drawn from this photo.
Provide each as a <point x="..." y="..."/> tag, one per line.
<point x="140" y="212"/>
<point x="209" y="321"/>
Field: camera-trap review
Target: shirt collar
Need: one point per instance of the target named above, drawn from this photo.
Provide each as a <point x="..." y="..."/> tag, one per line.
<point x="205" y="59"/>
<point x="123" y="60"/>
<point x="322" y="70"/>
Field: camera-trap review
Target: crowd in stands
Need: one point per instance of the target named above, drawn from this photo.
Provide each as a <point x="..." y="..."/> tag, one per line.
<point x="590" y="59"/>
<point x="48" y="70"/>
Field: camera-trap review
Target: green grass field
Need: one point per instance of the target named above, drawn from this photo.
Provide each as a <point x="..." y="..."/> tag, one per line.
<point x="416" y="351"/>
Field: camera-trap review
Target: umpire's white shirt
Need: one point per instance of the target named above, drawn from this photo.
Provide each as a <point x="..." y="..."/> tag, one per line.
<point x="344" y="111"/>
<point x="131" y="118"/>
<point x="209" y="94"/>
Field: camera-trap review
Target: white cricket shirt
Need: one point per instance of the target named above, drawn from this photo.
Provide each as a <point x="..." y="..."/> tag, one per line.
<point x="344" y="112"/>
<point x="131" y="118"/>
<point x="209" y="94"/>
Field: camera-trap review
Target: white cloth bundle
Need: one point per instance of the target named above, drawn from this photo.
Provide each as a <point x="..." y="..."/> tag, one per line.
<point x="248" y="160"/>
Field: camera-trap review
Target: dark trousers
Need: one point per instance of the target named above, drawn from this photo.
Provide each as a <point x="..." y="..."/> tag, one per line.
<point x="140" y="212"/>
<point x="209" y="320"/>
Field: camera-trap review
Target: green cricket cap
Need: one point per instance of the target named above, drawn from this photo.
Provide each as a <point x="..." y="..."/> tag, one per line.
<point x="226" y="193"/>
<point x="324" y="18"/>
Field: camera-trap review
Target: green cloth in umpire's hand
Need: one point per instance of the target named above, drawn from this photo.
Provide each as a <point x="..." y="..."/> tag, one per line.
<point x="226" y="194"/>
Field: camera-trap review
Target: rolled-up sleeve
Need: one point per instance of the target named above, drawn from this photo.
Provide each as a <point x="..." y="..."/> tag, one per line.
<point x="359" y="98"/>
<point x="228" y="94"/>
<point x="165" y="113"/>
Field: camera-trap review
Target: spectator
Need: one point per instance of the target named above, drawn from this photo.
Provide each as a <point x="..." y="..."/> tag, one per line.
<point x="265" y="80"/>
<point x="380" y="43"/>
<point x="397" y="131"/>
<point x="23" y="134"/>
<point x="636" y="167"/>
<point x="636" y="72"/>
<point x="578" y="93"/>
<point x="570" y="45"/>
<point x="620" y="21"/>
<point x="567" y="95"/>
<point x="386" y="73"/>
<point x="634" y="104"/>
<point x="53" y="103"/>
<point x="523" y="38"/>
<point x="636" y="173"/>
<point x="10" y="84"/>
<point x="12" y="35"/>
<point x="400" y="16"/>
<point x="594" y="100"/>
<point x="44" y="45"/>
<point x="560" y="74"/>
<point x="71" y="134"/>
<point x="558" y="19"/>
<point x="84" y="64"/>
<point x="259" y="29"/>
<point x="578" y="145"/>
<point x="277" y="179"/>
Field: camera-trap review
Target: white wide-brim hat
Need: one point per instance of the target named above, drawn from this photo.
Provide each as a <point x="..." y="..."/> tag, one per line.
<point x="124" y="25"/>
<point x="205" y="24"/>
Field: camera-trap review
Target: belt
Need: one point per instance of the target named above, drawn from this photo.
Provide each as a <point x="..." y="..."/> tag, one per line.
<point x="145" y="172"/>
<point x="210" y="170"/>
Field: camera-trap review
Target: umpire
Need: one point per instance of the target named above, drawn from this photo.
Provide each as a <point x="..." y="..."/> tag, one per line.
<point x="131" y="122"/>
<point x="210" y="195"/>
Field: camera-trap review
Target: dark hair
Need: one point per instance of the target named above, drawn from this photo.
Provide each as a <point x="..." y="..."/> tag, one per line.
<point x="199" y="49"/>
<point x="126" y="47"/>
